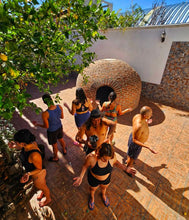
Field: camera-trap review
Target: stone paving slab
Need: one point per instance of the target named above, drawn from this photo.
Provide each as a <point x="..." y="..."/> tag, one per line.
<point x="160" y="189"/>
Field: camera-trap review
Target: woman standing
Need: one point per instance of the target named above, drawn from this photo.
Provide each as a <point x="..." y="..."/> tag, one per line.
<point x="81" y="108"/>
<point x="100" y="167"/>
<point x="32" y="161"/>
<point x="112" y="109"/>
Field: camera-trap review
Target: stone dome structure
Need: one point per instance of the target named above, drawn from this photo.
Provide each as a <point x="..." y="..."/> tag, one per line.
<point x="106" y="75"/>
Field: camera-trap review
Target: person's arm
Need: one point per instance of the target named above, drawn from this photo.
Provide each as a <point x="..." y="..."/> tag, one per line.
<point x="130" y="170"/>
<point x="45" y="117"/>
<point x="62" y="113"/>
<point x="78" y="179"/>
<point x="80" y="134"/>
<point x="120" y="112"/>
<point x="90" y="104"/>
<point x="72" y="110"/>
<point x="111" y="125"/>
<point x="135" y="130"/>
<point x="36" y="159"/>
<point x="101" y="108"/>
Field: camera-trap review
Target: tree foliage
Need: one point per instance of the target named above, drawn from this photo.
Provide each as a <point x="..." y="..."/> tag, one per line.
<point x="42" y="44"/>
<point x="131" y="17"/>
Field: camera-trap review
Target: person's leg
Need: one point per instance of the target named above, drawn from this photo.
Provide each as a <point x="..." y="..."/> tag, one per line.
<point x="129" y="161"/>
<point x="61" y="140"/>
<point x="40" y="183"/>
<point x="53" y="141"/>
<point x="55" y="151"/>
<point x="46" y="191"/>
<point x="92" y="193"/>
<point x="104" y="197"/>
<point x="63" y="144"/>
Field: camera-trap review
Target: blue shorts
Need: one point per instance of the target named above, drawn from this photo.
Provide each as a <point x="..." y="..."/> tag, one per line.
<point x="80" y="119"/>
<point x="133" y="149"/>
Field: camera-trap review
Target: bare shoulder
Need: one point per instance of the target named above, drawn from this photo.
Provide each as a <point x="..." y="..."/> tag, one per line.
<point x="118" y="106"/>
<point x="113" y="160"/>
<point x="91" y="158"/>
<point x="137" y="122"/>
<point x="45" y="114"/>
<point x="35" y="155"/>
<point x="60" y="107"/>
<point x="137" y="118"/>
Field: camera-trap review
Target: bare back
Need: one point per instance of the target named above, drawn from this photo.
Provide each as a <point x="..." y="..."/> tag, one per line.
<point x="140" y="128"/>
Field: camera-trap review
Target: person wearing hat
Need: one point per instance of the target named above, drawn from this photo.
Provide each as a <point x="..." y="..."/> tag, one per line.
<point x="97" y="130"/>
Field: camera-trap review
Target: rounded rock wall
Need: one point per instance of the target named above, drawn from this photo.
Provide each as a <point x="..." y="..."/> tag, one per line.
<point x="118" y="75"/>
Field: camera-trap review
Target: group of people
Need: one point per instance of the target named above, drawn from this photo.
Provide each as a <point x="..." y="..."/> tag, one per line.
<point x="95" y="134"/>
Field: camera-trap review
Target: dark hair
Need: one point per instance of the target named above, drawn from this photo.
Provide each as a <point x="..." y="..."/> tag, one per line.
<point x="106" y="150"/>
<point x="80" y="96"/>
<point x="47" y="99"/>
<point x="112" y="96"/>
<point x="95" y="113"/>
<point x="24" y="136"/>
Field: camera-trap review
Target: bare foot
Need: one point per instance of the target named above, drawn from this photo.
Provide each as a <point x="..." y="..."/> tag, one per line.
<point x="44" y="202"/>
<point x="40" y="196"/>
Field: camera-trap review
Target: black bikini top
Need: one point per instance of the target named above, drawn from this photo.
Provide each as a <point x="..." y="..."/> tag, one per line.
<point x="101" y="171"/>
<point x="83" y="108"/>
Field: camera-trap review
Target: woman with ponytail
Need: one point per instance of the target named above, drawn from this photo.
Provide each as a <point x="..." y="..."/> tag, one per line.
<point x="81" y="108"/>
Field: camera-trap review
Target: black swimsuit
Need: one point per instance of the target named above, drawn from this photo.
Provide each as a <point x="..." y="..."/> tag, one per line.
<point x="24" y="159"/>
<point x="100" y="172"/>
<point x="83" y="108"/>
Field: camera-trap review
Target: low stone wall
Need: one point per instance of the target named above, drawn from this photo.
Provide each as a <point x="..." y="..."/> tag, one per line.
<point x="174" y="87"/>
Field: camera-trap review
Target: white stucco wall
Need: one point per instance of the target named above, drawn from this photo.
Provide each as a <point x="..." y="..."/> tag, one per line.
<point x="141" y="48"/>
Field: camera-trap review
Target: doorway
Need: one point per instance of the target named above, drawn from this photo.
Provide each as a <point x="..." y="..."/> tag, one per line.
<point x="102" y="94"/>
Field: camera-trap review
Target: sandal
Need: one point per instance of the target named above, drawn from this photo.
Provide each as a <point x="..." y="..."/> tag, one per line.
<point x="129" y="174"/>
<point x="51" y="159"/>
<point x="91" y="205"/>
<point x="77" y="144"/>
<point x="106" y="202"/>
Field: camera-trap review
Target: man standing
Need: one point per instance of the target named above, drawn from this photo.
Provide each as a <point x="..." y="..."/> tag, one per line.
<point x="97" y="130"/>
<point x="51" y="120"/>
<point x="139" y="135"/>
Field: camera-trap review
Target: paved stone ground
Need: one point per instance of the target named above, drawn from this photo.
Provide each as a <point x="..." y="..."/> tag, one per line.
<point x="160" y="189"/>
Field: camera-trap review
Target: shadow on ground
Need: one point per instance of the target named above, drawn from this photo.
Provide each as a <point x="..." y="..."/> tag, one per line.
<point x="159" y="185"/>
<point x="158" y="116"/>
